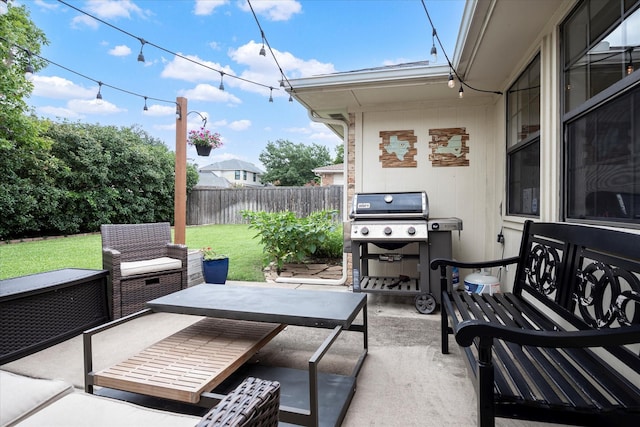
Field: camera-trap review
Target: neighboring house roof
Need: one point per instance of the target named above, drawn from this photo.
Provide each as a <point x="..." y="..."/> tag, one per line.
<point x="210" y="179"/>
<point x="232" y="165"/>
<point x="338" y="168"/>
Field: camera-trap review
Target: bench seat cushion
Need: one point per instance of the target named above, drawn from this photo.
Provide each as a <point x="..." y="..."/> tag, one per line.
<point x="21" y="397"/>
<point x="81" y="410"/>
<point x="154" y="265"/>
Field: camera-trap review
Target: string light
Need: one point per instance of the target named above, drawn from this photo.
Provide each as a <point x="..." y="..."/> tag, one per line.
<point x="141" y="55"/>
<point x="266" y="41"/>
<point x="221" y="87"/>
<point x="451" y="82"/>
<point x="630" y="67"/>
<point x="145" y="105"/>
<point x="262" y="51"/>
<point x="271" y="94"/>
<point x="177" y="55"/>
<point x="434" y="51"/>
<point x="99" y="94"/>
<point x="29" y="68"/>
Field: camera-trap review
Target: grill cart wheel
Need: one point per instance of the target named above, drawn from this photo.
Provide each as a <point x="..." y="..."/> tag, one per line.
<point x="425" y="303"/>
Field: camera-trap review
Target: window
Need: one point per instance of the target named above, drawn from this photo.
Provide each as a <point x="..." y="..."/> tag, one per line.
<point x="602" y="112"/>
<point x="244" y="175"/>
<point x="237" y="177"/>
<point x="523" y="142"/>
<point x="255" y="177"/>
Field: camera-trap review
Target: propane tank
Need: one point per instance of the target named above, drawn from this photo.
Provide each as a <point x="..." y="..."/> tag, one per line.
<point x="481" y="282"/>
<point x="455" y="278"/>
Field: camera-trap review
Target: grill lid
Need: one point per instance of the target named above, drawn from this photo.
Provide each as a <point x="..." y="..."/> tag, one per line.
<point x="390" y="205"/>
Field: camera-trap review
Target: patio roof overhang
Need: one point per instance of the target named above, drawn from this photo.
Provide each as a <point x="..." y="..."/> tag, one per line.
<point x="494" y="37"/>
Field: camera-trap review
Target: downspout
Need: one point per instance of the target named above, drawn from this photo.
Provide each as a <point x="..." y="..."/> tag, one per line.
<point x="345" y="214"/>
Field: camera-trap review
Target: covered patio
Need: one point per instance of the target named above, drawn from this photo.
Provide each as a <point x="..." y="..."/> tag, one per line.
<point x="405" y="380"/>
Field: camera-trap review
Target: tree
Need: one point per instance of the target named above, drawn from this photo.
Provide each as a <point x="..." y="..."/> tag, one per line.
<point x="339" y="155"/>
<point x="290" y="164"/>
<point x="19" y="40"/>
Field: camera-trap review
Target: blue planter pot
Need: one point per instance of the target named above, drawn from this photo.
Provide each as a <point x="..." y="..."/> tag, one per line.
<point x="215" y="271"/>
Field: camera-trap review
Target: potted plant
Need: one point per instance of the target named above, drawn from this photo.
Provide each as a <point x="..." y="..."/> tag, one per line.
<point x="204" y="140"/>
<point x="215" y="266"/>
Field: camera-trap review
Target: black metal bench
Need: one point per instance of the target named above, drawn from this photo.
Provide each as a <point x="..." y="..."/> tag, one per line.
<point x="564" y="345"/>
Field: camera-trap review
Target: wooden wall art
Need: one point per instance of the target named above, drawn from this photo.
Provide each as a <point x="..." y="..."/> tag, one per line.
<point x="449" y="147"/>
<point x="398" y="149"/>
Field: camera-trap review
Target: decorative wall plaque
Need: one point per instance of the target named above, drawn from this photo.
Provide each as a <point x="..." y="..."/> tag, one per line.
<point x="398" y="149"/>
<point x="449" y="147"/>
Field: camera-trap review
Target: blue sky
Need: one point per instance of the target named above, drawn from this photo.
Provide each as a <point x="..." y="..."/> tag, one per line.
<point x="308" y="38"/>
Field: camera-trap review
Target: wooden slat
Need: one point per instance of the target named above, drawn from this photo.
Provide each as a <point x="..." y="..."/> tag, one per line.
<point x="196" y="359"/>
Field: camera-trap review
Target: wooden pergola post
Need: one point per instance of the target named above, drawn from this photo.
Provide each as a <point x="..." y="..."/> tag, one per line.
<point x="180" y="205"/>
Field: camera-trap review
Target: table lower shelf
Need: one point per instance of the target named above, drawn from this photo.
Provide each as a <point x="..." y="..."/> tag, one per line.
<point x="335" y="393"/>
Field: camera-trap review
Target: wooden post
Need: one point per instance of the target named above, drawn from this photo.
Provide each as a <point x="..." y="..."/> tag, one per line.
<point x="180" y="204"/>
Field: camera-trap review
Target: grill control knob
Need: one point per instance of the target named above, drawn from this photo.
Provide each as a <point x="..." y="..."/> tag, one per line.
<point x="364" y="231"/>
<point x="387" y="231"/>
<point x="411" y="230"/>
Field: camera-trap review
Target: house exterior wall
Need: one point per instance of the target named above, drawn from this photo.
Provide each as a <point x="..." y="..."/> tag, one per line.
<point x="230" y="175"/>
<point x="467" y="192"/>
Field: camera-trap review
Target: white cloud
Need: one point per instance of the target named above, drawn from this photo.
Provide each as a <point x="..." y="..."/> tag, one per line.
<point x="94" y="106"/>
<point x="264" y="70"/>
<point x="113" y="8"/>
<point x="159" y="110"/>
<point x="59" y="88"/>
<point x="109" y="10"/>
<point x="45" y="5"/>
<point x="185" y="69"/>
<point x="206" y="7"/>
<point x="121" y="50"/>
<point x="207" y="92"/>
<point x="274" y="10"/>
<point x="239" y="125"/>
<point x="61" y="112"/>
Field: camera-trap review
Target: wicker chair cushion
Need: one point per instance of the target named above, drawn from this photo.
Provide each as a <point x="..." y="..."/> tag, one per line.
<point x="22" y="396"/>
<point x="154" y="265"/>
<point x="254" y="403"/>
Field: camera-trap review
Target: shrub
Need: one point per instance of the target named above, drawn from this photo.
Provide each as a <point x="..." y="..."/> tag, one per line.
<point x="286" y="238"/>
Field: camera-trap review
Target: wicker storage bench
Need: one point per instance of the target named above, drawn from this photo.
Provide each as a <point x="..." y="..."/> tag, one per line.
<point x="40" y="310"/>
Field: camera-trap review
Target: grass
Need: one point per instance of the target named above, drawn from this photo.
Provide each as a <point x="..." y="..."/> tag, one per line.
<point x="84" y="251"/>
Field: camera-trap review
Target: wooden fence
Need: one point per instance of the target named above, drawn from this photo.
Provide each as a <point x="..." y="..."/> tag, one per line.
<point x="224" y="205"/>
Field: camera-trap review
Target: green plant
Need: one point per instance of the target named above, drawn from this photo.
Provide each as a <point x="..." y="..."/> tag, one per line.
<point x="333" y="244"/>
<point x="205" y="138"/>
<point x="208" y="254"/>
<point x="287" y="238"/>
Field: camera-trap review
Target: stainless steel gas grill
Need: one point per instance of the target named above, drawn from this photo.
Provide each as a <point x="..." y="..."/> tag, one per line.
<point x="392" y="243"/>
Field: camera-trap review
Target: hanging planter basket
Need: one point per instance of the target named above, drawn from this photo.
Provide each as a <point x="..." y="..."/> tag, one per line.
<point x="203" y="150"/>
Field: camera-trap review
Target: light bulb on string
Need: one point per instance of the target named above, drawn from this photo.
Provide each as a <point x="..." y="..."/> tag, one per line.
<point x="451" y="83"/>
<point x="434" y="51"/>
<point x="221" y="87"/>
<point x="461" y="92"/>
<point x="145" y="105"/>
<point x="99" y="94"/>
<point x="270" y="94"/>
<point x="141" y="55"/>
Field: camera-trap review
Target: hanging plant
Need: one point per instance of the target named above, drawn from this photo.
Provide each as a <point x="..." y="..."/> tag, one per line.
<point x="204" y="140"/>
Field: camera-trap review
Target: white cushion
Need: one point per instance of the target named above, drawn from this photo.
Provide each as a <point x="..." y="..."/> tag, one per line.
<point x="81" y="410"/>
<point x="22" y="396"/>
<point x="149" y="266"/>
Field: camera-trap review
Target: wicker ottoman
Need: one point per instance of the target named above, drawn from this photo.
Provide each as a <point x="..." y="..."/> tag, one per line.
<point x="254" y="403"/>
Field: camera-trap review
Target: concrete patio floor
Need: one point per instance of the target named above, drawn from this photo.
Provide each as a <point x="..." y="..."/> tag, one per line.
<point x="405" y="380"/>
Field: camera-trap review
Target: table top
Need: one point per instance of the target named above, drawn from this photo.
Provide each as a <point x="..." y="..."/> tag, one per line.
<point x="322" y="309"/>
<point x="46" y="281"/>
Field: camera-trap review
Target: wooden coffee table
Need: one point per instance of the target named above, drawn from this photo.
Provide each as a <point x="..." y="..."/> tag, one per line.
<point x="307" y="398"/>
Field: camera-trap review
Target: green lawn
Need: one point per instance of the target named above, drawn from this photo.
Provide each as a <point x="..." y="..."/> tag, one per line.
<point x="84" y="251"/>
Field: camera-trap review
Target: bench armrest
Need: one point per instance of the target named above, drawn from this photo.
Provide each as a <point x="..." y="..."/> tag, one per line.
<point x="444" y="262"/>
<point x="467" y="330"/>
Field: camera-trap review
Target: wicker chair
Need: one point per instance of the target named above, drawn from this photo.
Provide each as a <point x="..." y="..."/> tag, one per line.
<point x="254" y="403"/>
<point x="143" y="264"/>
